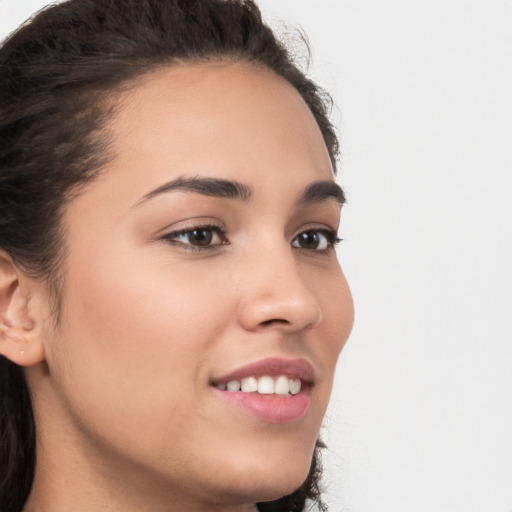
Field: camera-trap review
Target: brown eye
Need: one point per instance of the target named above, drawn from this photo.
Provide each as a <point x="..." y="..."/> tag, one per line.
<point x="200" y="237"/>
<point x="316" y="240"/>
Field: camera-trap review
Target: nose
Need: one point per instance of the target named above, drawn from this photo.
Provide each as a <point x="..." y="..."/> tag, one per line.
<point x="276" y="296"/>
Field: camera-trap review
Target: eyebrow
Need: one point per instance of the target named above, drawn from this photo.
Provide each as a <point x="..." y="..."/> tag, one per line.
<point x="315" y="192"/>
<point x="320" y="191"/>
<point x="214" y="187"/>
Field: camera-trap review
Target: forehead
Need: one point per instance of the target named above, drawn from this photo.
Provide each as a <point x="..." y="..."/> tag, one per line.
<point x="216" y="104"/>
<point x="226" y="120"/>
<point x="214" y="91"/>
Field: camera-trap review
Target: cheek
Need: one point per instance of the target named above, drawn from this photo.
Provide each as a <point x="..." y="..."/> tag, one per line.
<point x="340" y="308"/>
<point x="338" y="318"/>
<point x="333" y="294"/>
<point x="134" y="339"/>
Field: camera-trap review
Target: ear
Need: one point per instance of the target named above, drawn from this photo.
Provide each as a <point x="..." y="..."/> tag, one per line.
<point x="19" y="333"/>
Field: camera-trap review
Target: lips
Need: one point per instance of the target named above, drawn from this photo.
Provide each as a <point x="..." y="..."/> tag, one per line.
<point x="274" y="390"/>
<point x="273" y="367"/>
<point x="265" y="385"/>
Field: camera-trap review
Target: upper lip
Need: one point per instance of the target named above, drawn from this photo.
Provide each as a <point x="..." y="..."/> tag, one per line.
<point x="273" y="367"/>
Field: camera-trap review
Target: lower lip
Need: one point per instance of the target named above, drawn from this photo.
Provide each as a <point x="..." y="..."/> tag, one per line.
<point x="270" y="408"/>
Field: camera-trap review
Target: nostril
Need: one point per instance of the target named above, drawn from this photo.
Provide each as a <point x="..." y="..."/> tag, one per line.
<point x="275" y="321"/>
<point x="284" y="307"/>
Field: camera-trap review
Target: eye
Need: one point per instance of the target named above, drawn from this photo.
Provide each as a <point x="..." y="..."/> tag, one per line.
<point x="199" y="237"/>
<point x="316" y="240"/>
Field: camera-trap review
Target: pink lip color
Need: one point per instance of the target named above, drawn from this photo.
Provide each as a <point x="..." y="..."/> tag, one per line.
<point x="271" y="408"/>
<point x="275" y="366"/>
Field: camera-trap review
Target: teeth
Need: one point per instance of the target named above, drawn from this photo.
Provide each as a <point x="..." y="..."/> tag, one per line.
<point x="295" y="385"/>
<point x="282" y="385"/>
<point x="249" y="385"/>
<point x="265" y="385"/>
<point x="234" y="385"/>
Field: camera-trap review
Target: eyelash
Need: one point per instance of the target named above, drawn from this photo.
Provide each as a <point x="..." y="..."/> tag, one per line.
<point x="217" y="230"/>
<point x="330" y="238"/>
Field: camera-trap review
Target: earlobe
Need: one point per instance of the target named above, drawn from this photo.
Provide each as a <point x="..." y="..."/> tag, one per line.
<point x="19" y="334"/>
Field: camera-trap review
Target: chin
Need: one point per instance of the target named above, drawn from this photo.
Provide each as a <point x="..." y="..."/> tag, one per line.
<point x="275" y="492"/>
<point x="271" y="477"/>
<point x="269" y="490"/>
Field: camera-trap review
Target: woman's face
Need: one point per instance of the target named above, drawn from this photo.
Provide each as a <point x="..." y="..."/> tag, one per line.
<point x="203" y="255"/>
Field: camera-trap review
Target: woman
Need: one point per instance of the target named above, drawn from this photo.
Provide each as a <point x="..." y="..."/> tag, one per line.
<point x="171" y="305"/>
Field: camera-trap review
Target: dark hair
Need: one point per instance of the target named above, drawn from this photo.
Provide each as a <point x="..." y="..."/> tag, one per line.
<point x="58" y="75"/>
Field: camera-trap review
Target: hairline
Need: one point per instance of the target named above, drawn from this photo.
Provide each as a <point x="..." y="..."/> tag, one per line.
<point x="112" y="97"/>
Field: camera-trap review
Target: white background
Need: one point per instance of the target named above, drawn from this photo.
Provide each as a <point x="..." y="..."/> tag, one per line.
<point x="421" y="414"/>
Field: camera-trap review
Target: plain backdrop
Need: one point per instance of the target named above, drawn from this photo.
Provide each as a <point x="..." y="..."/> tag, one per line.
<point x="421" y="413"/>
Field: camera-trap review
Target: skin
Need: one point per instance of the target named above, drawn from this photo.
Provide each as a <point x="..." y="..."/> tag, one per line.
<point x="127" y="418"/>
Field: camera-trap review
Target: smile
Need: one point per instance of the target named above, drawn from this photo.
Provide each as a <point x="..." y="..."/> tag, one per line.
<point x="264" y="385"/>
<point x="273" y="390"/>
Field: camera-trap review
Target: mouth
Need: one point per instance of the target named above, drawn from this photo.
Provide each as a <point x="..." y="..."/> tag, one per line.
<point x="264" y="385"/>
<point x="273" y="390"/>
